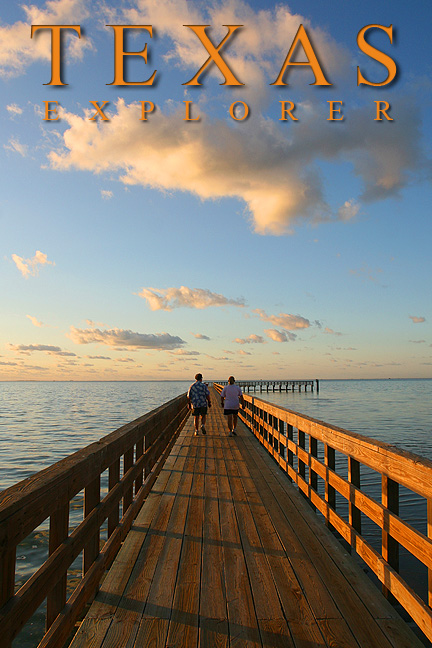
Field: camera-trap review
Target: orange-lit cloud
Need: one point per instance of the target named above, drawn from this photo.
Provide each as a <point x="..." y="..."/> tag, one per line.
<point x="275" y="176"/>
<point x="34" y="321"/>
<point x="284" y="320"/>
<point x="417" y="320"/>
<point x="280" y="336"/>
<point x="330" y="331"/>
<point x="251" y="339"/>
<point x="169" y="298"/>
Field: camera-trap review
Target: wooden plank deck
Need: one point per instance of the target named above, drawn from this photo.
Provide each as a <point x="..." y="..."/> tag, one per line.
<point x="225" y="552"/>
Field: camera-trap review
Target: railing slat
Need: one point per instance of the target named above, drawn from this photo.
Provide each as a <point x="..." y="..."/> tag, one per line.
<point x="7" y="575"/>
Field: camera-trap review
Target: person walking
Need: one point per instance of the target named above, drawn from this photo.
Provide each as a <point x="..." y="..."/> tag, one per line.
<point x="231" y="399"/>
<point x="198" y="398"/>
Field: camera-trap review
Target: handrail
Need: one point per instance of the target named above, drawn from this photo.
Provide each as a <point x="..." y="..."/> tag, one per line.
<point x="283" y="433"/>
<point x="144" y="445"/>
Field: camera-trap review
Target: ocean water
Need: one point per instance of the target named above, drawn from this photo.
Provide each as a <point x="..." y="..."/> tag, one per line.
<point x="43" y="422"/>
<point x="40" y="423"/>
<point x="398" y="412"/>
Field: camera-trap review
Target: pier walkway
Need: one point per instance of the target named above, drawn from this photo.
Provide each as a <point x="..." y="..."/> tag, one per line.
<point x="225" y="552"/>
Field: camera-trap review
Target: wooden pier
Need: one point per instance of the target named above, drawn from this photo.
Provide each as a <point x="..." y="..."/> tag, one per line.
<point x="216" y="546"/>
<point x="275" y="385"/>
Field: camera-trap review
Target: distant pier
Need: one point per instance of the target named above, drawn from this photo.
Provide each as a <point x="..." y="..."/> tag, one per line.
<point x="275" y="385"/>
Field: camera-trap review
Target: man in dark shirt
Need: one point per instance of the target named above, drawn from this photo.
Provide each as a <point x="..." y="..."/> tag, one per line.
<point x="198" y="397"/>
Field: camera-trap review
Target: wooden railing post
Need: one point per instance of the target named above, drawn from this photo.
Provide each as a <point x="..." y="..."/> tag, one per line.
<point x="390" y="547"/>
<point x="330" y="492"/>
<point x="354" y="513"/>
<point x="7" y="581"/>
<point x="59" y="530"/>
<point x="91" y="500"/>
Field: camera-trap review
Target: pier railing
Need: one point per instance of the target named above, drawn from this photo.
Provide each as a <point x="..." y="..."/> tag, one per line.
<point x="133" y="456"/>
<point x="316" y="456"/>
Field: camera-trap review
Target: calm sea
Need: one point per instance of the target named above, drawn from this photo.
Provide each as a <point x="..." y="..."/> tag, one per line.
<point x="40" y="423"/>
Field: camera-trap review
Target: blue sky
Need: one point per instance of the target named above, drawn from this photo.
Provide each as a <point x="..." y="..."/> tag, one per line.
<point x="265" y="249"/>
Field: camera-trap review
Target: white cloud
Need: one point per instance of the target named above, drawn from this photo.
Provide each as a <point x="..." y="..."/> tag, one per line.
<point x="251" y="339"/>
<point x="417" y="320"/>
<point x="284" y="320"/>
<point x="366" y="272"/>
<point x="30" y="267"/>
<point x="169" y="298"/>
<point x="280" y="336"/>
<point x="256" y="52"/>
<point x="349" y="210"/>
<point x="274" y="171"/>
<point x="92" y="324"/>
<point x="34" y="321"/>
<point x="14" y="110"/>
<point x="18" y="50"/>
<point x="15" y="146"/>
<point x="125" y="338"/>
<point x="106" y="195"/>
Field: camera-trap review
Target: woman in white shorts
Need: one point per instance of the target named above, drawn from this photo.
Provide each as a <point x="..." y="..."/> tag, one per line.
<point x="231" y="399"/>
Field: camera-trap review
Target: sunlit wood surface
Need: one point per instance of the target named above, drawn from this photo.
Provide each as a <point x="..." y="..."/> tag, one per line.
<point x="225" y="552"/>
